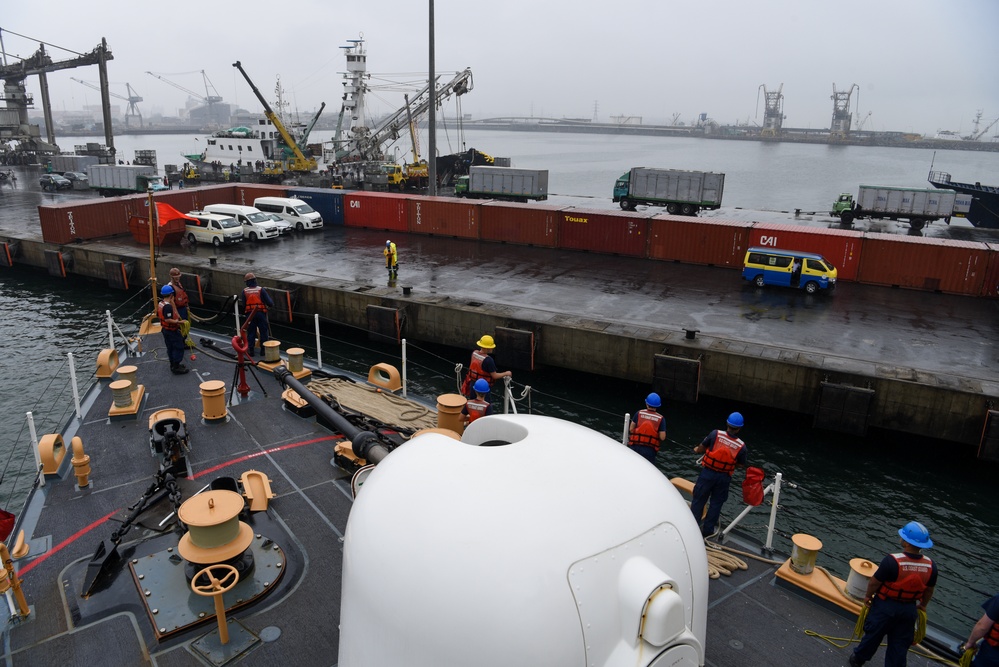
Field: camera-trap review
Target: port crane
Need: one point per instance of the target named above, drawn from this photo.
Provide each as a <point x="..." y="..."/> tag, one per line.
<point x="40" y="64"/>
<point x="842" y="119"/>
<point x="368" y="146"/>
<point x="773" y="114"/>
<point x="978" y="134"/>
<point x="133" y="100"/>
<point x="298" y="162"/>
<point x="208" y="99"/>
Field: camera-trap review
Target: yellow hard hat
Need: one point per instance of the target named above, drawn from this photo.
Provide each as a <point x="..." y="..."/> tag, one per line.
<point x="486" y="342"/>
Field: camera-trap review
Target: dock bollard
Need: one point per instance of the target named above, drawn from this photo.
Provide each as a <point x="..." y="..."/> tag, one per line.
<point x="805" y="551"/>
<point x="213" y="400"/>
<point x="272" y="351"/>
<point x="449" y="412"/>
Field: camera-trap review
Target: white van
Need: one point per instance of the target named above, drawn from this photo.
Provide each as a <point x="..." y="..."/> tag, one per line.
<point x="213" y="228"/>
<point x="294" y="211"/>
<point x="255" y="224"/>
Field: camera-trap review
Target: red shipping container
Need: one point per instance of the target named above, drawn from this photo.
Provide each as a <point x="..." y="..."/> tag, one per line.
<point x="442" y="216"/>
<point x="620" y="233"/>
<point x="524" y="224"/>
<point x="246" y="192"/>
<point x="990" y="285"/>
<point x="376" y="210"/>
<point x="938" y="265"/>
<point x="182" y="200"/>
<point x="708" y="241"/>
<point x="86" y="219"/>
<point x="840" y="246"/>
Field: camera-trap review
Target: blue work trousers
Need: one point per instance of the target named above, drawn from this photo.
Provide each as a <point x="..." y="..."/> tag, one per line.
<point x="987" y="656"/>
<point x="257" y="326"/>
<point x="174" y="346"/>
<point x="647" y="451"/>
<point x="711" y="485"/>
<point x="895" y="619"/>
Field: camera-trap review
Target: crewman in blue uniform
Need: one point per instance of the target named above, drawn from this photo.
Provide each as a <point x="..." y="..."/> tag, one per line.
<point x="256" y="301"/>
<point x="723" y="452"/>
<point x="902" y="585"/>
<point x="986" y="629"/>
<point x="170" y="320"/>
<point x="480" y="405"/>
<point x="648" y="429"/>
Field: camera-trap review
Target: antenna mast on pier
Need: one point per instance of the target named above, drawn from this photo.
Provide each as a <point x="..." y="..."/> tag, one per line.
<point x="842" y="118"/>
<point x="773" y="116"/>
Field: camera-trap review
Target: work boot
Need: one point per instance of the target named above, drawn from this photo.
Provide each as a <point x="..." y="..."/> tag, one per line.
<point x="179" y="369"/>
<point x="855" y="661"/>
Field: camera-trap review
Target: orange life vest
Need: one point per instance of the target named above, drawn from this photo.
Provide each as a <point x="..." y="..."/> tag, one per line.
<point x="647" y="427"/>
<point x="476" y="409"/>
<point x="992" y="637"/>
<point x="254" y="300"/>
<point x="179" y="295"/>
<point x="913" y="578"/>
<point x="164" y="324"/>
<point x="722" y="455"/>
<point x="475" y="372"/>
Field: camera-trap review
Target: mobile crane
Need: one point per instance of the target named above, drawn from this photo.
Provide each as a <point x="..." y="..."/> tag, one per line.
<point x="298" y="162"/>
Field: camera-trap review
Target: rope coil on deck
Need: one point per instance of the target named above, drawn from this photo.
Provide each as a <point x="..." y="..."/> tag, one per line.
<point x="376" y="403"/>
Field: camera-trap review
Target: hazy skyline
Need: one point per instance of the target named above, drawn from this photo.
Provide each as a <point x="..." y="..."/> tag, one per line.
<point x="920" y="66"/>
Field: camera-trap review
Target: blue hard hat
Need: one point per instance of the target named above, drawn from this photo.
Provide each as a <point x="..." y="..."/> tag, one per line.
<point x="166" y="291"/>
<point x="735" y="419"/>
<point x="916" y="534"/>
<point x="481" y="386"/>
<point x="653" y="400"/>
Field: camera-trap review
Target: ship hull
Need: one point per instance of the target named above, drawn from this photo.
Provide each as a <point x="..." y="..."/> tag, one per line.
<point x="984" y="210"/>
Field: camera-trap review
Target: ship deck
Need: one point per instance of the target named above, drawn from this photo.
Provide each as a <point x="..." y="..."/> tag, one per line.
<point x="751" y="621"/>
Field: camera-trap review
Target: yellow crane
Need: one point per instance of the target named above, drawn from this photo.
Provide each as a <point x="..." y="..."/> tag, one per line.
<point x="298" y="161"/>
<point x="417" y="171"/>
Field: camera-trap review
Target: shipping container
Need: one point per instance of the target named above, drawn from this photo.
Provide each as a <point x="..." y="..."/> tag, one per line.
<point x="329" y="203"/>
<point x="503" y="183"/>
<point x="523" y="224"/>
<point x="115" y="178"/>
<point x="63" y="163"/>
<point x="679" y="191"/>
<point x="247" y="192"/>
<point x="443" y="216"/>
<point x="620" y="233"/>
<point x="376" y="210"/>
<point x="938" y="265"/>
<point x="86" y="219"/>
<point x="710" y="241"/>
<point x="922" y="202"/>
<point x="990" y="285"/>
<point x="840" y="246"/>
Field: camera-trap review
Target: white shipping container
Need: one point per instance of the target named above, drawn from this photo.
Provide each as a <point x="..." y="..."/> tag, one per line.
<point x="907" y="201"/>
<point x="117" y="177"/>
<point x="532" y="183"/>
<point x="675" y="185"/>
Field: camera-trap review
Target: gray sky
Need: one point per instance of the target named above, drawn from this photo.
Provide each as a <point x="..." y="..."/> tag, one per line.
<point x="921" y="65"/>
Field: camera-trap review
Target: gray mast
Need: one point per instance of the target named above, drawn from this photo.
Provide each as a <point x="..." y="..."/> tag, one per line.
<point x="432" y="129"/>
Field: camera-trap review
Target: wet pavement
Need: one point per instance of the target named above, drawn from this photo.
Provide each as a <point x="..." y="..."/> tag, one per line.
<point x="877" y="326"/>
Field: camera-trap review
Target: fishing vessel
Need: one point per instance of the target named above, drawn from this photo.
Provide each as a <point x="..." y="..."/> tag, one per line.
<point x="213" y="517"/>
<point x="984" y="207"/>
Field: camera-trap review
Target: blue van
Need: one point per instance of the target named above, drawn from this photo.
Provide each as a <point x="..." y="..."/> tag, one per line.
<point x="788" y="268"/>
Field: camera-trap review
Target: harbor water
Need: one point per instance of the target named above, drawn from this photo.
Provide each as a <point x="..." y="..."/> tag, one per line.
<point x="852" y="493"/>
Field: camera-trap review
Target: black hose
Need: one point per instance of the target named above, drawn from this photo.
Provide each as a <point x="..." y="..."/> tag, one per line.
<point x="364" y="443"/>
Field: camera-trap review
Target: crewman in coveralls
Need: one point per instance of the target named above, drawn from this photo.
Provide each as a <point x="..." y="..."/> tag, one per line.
<point x="391" y="259"/>
<point x="901" y="587"/>
<point x="648" y="429"/>
<point x="256" y="301"/>
<point x="723" y="452"/>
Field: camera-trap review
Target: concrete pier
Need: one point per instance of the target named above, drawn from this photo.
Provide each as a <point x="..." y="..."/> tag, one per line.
<point x="917" y="362"/>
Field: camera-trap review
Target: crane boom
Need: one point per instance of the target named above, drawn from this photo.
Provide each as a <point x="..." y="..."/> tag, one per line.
<point x="369" y="147"/>
<point x="300" y="162"/>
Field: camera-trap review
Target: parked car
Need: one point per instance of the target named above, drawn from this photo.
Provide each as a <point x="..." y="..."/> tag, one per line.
<point x="284" y="226"/>
<point x="54" y="182"/>
<point x="76" y="177"/>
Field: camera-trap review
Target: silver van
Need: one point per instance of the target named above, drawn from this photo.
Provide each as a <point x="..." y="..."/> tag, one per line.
<point x="256" y="225"/>
<point x="294" y="211"/>
<point x="213" y="228"/>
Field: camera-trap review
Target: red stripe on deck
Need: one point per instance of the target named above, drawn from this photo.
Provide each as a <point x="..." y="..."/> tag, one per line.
<point x="83" y="531"/>
<point x="65" y="543"/>
<point x="266" y="451"/>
